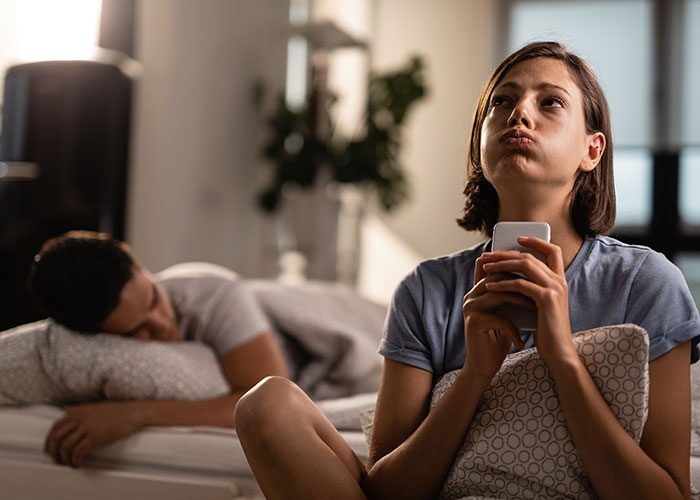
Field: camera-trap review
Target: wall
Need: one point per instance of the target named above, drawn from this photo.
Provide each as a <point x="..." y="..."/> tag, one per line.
<point x="8" y="40"/>
<point x="194" y="163"/>
<point x="457" y="43"/>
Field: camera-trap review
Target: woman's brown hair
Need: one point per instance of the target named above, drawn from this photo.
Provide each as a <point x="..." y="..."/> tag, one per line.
<point x="593" y="194"/>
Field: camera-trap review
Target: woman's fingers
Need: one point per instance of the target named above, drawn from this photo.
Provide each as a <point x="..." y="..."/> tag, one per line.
<point x="484" y="306"/>
<point x="489" y="301"/>
<point x="543" y="296"/>
<point x="489" y="324"/>
<point x="515" y="286"/>
<point x="525" y="265"/>
<point x="479" y="273"/>
<point x="555" y="260"/>
<point x="480" y="287"/>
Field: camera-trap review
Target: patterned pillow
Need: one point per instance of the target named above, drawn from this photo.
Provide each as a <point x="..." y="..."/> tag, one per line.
<point x="518" y="444"/>
<point x="43" y="362"/>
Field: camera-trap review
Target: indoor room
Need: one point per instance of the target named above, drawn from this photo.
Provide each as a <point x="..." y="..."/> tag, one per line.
<point x="313" y="155"/>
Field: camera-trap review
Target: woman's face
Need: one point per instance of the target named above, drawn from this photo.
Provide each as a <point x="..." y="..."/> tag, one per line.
<point x="535" y="130"/>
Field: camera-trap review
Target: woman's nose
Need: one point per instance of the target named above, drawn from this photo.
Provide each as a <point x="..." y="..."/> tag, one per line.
<point x="520" y="115"/>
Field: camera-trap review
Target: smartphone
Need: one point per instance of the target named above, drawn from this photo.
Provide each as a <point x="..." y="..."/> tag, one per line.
<point x="505" y="237"/>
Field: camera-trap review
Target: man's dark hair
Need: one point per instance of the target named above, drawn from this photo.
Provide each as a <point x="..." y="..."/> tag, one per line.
<point x="593" y="194"/>
<point x="77" y="278"/>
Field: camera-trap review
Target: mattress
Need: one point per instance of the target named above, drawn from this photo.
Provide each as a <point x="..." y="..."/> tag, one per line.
<point x="177" y="462"/>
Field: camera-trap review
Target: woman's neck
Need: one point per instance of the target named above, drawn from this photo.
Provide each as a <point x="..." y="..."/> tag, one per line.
<point x="556" y="213"/>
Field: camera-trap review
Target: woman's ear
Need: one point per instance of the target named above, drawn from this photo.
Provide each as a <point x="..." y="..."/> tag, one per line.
<point x="596" y="148"/>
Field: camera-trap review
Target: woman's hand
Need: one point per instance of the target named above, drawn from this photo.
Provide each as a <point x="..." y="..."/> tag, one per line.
<point x="488" y="336"/>
<point x="545" y="286"/>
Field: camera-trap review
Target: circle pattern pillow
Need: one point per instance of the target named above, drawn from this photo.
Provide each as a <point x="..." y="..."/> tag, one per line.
<point x="518" y="444"/>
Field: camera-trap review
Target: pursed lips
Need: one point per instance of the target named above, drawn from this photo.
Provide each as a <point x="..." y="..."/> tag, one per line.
<point x="517" y="137"/>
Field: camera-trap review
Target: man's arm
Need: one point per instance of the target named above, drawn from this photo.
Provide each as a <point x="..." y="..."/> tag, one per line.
<point x="85" y="427"/>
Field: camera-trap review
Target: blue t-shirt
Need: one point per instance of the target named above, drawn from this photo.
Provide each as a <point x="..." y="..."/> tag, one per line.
<point x="609" y="282"/>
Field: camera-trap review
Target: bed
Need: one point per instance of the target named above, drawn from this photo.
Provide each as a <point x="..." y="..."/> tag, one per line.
<point x="158" y="462"/>
<point x="330" y="336"/>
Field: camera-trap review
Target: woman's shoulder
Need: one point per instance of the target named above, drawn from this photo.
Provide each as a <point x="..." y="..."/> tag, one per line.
<point x="442" y="275"/>
<point x="451" y="266"/>
<point x="639" y="269"/>
<point x="624" y="257"/>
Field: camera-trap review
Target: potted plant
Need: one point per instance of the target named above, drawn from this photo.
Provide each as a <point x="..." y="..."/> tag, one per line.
<point x="305" y="153"/>
<point x="298" y="152"/>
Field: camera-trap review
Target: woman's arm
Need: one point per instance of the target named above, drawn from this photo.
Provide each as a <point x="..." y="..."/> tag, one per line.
<point x="411" y="452"/>
<point x="617" y="466"/>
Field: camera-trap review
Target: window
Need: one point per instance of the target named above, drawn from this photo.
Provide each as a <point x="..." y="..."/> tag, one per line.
<point x="633" y="186"/>
<point x="656" y="133"/>
<point x="689" y="196"/>
<point x="690" y="125"/>
<point x="689" y="264"/>
<point x="621" y="55"/>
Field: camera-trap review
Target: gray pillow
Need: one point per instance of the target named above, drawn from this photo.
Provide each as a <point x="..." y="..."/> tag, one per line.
<point x="44" y="362"/>
<point x="518" y="444"/>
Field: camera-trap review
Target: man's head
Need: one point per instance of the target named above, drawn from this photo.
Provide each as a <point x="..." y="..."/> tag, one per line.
<point x="90" y="282"/>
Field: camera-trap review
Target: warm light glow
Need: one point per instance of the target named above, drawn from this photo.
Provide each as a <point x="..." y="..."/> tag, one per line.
<point x="50" y="29"/>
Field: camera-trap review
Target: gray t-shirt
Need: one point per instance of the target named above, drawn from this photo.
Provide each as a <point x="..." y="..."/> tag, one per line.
<point x="213" y="304"/>
<point x="609" y="282"/>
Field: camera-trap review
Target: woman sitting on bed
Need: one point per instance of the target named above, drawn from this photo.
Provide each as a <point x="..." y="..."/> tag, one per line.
<point x="540" y="150"/>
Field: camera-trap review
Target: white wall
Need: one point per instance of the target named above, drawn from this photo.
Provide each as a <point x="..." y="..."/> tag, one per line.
<point x="457" y="44"/>
<point x="195" y="141"/>
<point x="8" y="40"/>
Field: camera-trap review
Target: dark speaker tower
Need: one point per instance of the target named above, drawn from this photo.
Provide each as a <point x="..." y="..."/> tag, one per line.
<point x="64" y="157"/>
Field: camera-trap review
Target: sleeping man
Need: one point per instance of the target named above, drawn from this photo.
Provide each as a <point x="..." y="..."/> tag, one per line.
<point x="89" y="282"/>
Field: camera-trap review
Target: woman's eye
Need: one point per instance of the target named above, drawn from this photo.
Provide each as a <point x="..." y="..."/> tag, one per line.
<point x="497" y="100"/>
<point x="553" y="102"/>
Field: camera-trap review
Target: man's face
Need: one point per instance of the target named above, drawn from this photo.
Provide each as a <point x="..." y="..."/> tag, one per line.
<point x="144" y="311"/>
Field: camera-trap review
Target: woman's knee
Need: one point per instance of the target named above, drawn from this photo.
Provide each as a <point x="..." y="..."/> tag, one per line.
<point x="268" y="404"/>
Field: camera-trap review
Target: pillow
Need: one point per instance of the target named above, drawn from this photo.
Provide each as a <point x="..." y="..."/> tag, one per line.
<point x="44" y="362"/>
<point x="518" y="444"/>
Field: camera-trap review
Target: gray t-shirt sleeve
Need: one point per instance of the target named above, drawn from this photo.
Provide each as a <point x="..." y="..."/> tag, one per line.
<point x="232" y="318"/>
<point x="405" y="339"/>
<point x="215" y="306"/>
<point x="660" y="302"/>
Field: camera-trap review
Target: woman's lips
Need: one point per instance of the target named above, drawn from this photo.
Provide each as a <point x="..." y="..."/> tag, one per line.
<point x="517" y="138"/>
<point x="518" y="141"/>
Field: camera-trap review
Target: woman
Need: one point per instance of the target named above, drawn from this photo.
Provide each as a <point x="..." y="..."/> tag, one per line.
<point x="541" y="150"/>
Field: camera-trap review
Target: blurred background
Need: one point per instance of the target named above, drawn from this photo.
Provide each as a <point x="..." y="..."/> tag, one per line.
<point x="166" y="122"/>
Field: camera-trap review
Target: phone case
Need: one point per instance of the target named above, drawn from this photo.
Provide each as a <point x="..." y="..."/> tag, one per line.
<point x="505" y="237"/>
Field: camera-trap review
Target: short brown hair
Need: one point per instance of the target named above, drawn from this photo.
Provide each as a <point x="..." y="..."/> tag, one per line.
<point x="593" y="194"/>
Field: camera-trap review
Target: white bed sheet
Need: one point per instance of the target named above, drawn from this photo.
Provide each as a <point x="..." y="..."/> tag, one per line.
<point x="157" y="462"/>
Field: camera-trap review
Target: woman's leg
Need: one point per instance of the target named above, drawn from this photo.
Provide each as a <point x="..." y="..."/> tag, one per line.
<point x="294" y="451"/>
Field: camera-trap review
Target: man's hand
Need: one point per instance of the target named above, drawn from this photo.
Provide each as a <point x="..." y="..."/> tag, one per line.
<point x="88" y="426"/>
